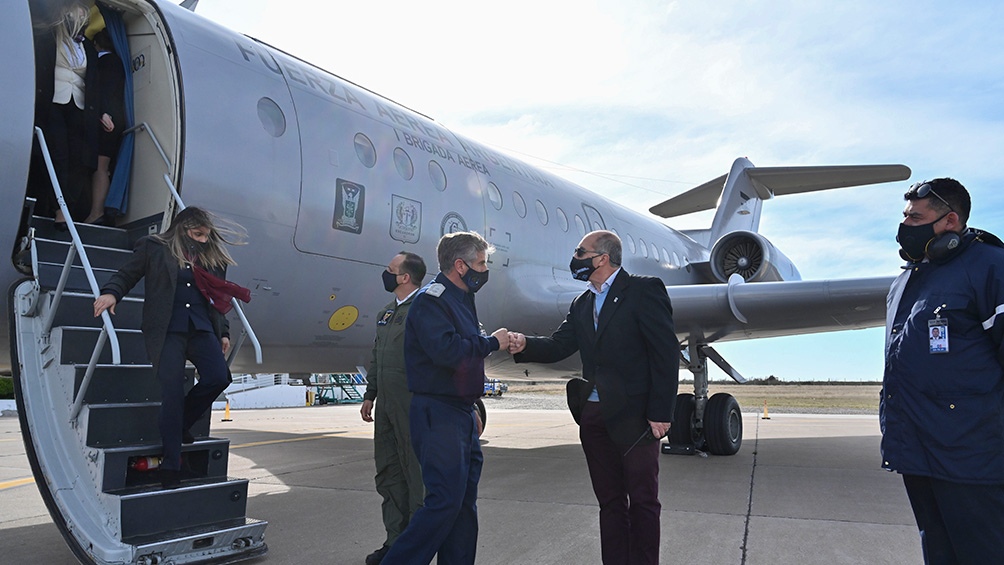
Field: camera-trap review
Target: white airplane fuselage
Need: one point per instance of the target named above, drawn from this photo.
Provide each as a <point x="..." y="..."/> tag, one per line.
<point x="331" y="181"/>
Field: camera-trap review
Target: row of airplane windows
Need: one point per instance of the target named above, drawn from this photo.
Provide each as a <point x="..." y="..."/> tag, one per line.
<point x="367" y="154"/>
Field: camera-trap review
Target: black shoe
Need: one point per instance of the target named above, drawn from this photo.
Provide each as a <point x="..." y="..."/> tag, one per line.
<point x="170" y="479"/>
<point x="377" y="556"/>
<point x="187" y="437"/>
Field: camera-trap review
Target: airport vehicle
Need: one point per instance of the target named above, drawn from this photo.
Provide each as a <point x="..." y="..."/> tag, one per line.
<point x="330" y="180"/>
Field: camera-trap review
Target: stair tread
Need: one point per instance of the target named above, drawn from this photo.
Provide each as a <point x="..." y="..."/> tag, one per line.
<point x="137" y="447"/>
<point x="195" y="531"/>
<point x="187" y="485"/>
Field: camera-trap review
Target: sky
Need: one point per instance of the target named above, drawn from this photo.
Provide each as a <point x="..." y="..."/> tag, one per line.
<point x="640" y="100"/>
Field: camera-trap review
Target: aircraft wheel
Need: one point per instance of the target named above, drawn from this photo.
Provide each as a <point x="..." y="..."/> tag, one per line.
<point x="682" y="430"/>
<point x="723" y="424"/>
<point x="483" y="413"/>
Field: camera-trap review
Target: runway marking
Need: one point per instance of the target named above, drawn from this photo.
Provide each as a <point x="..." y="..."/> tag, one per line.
<point x="16" y="483"/>
<point x="274" y="441"/>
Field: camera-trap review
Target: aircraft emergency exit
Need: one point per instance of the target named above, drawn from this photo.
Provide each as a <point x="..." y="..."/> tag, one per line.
<point x="331" y="180"/>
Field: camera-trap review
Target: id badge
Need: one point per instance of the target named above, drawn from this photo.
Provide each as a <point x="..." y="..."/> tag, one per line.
<point x="937" y="335"/>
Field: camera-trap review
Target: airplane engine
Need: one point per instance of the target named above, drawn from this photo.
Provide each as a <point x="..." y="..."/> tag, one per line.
<point x="751" y="256"/>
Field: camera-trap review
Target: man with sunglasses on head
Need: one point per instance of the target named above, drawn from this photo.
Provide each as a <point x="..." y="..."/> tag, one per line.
<point x="942" y="403"/>
<point x="622" y="327"/>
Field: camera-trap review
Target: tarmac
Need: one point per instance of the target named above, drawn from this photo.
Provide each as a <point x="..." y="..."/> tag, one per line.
<point x="803" y="489"/>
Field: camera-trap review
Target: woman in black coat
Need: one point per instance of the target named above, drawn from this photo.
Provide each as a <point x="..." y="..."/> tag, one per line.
<point x="180" y="322"/>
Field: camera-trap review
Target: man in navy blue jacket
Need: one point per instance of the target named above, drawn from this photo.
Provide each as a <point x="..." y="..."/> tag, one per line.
<point x="942" y="406"/>
<point x="444" y="350"/>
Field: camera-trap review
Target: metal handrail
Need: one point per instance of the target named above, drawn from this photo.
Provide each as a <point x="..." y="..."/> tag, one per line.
<point x="143" y="126"/>
<point x="77" y="247"/>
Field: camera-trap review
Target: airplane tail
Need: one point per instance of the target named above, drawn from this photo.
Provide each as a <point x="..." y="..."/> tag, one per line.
<point x="739" y="195"/>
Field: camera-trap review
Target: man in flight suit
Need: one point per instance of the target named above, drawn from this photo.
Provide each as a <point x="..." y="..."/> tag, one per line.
<point x="398" y="475"/>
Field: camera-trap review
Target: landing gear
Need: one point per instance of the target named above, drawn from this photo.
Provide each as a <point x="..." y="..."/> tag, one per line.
<point x="723" y="425"/>
<point x="700" y="423"/>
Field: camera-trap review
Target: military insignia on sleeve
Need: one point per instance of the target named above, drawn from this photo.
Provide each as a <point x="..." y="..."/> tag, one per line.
<point x="385" y="318"/>
<point x="435" y="289"/>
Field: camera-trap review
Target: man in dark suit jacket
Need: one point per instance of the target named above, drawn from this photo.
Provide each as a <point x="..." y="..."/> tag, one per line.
<point x="622" y="327"/>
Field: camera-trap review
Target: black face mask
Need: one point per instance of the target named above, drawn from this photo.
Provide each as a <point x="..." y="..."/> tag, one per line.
<point x="914" y="239"/>
<point x="389" y="281"/>
<point x="582" y="269"/>
<point x="474" y="279"/>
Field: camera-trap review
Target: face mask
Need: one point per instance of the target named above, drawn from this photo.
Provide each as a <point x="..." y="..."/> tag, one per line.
<point x="474" y="279"/>
<point x="582" y="269"/>
<point x="389" y="281"/>
<point x="914" y="239"/>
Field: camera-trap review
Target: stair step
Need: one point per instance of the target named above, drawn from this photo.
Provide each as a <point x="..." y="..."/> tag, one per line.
<point x="48" y="277"/>
<point x="54" y="251"/>
<point x="202" y="502"/>
<point x="120" y="425"/>
<point x="203" y="539"/>
<point x="123" y="384"/>
<point x="77" y="309"/>
<point x="77" y="345"/>
<point x="96" y="235"/>
<point x="206" y="457"/>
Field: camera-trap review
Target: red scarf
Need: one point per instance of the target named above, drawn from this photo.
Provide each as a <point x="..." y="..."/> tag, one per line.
<point x="219" y="291"/>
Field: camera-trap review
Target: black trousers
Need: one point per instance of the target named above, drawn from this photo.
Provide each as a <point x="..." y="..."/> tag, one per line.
<point x="179" y="411"/>
<point x="959" y="523"/>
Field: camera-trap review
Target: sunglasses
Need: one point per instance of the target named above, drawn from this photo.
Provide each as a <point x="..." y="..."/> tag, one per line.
<point x="923" y="190"/>
<point x="581" y="251"/>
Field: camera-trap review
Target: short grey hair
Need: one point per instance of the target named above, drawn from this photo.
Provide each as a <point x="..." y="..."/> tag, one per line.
<point x="608" y="243"/>
<point x="461" y="245"/>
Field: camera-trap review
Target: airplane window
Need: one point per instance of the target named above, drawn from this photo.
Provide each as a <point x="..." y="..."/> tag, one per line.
<point x="438" y="176"/>
<point x="271" y="117"/>
<point x="365" y="150"/>
<point x="519" y="204"/>
<point x="676" y="260"/>
<point x="541" y="213"/>
<point x="578" y="224"/>
<point x="665" y="256"/>
<point x="630" y="242"/>
<point x="562" y="219"/>
<point x="643" y="247"/>
<point x="655" y="252"/>
<point x="402" y="161"/>
<point x="495" y="196"/>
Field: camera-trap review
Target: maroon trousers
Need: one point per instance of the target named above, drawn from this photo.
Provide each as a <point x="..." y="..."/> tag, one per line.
<point x="627" y="488"/>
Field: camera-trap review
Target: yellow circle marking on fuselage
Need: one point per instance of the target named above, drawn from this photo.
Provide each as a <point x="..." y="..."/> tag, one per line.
<point x="343" y="318"/>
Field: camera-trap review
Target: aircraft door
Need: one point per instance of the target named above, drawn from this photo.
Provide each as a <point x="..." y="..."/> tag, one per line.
<point x="16" y="129"/>
<point x="372" y="185"/>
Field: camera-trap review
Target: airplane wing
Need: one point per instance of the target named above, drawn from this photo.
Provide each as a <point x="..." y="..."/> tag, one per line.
<point x="739" y="310"/>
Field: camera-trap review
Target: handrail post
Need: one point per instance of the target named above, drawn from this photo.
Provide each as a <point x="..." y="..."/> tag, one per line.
<point x="78" y="401"/>
<point x="64" y="275"/>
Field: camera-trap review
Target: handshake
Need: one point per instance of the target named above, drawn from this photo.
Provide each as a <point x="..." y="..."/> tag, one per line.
<point x="513" y="342"/>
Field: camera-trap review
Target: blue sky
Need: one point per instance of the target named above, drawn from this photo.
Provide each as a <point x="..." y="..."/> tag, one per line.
<point x="640" y="100"/>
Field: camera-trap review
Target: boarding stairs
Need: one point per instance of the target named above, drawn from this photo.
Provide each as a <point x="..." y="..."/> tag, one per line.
<point x="88" y="402"/>
<point x="84" y="446"/>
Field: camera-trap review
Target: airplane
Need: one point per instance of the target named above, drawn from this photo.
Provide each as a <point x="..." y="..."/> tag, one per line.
<point x="331" y="180"/>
